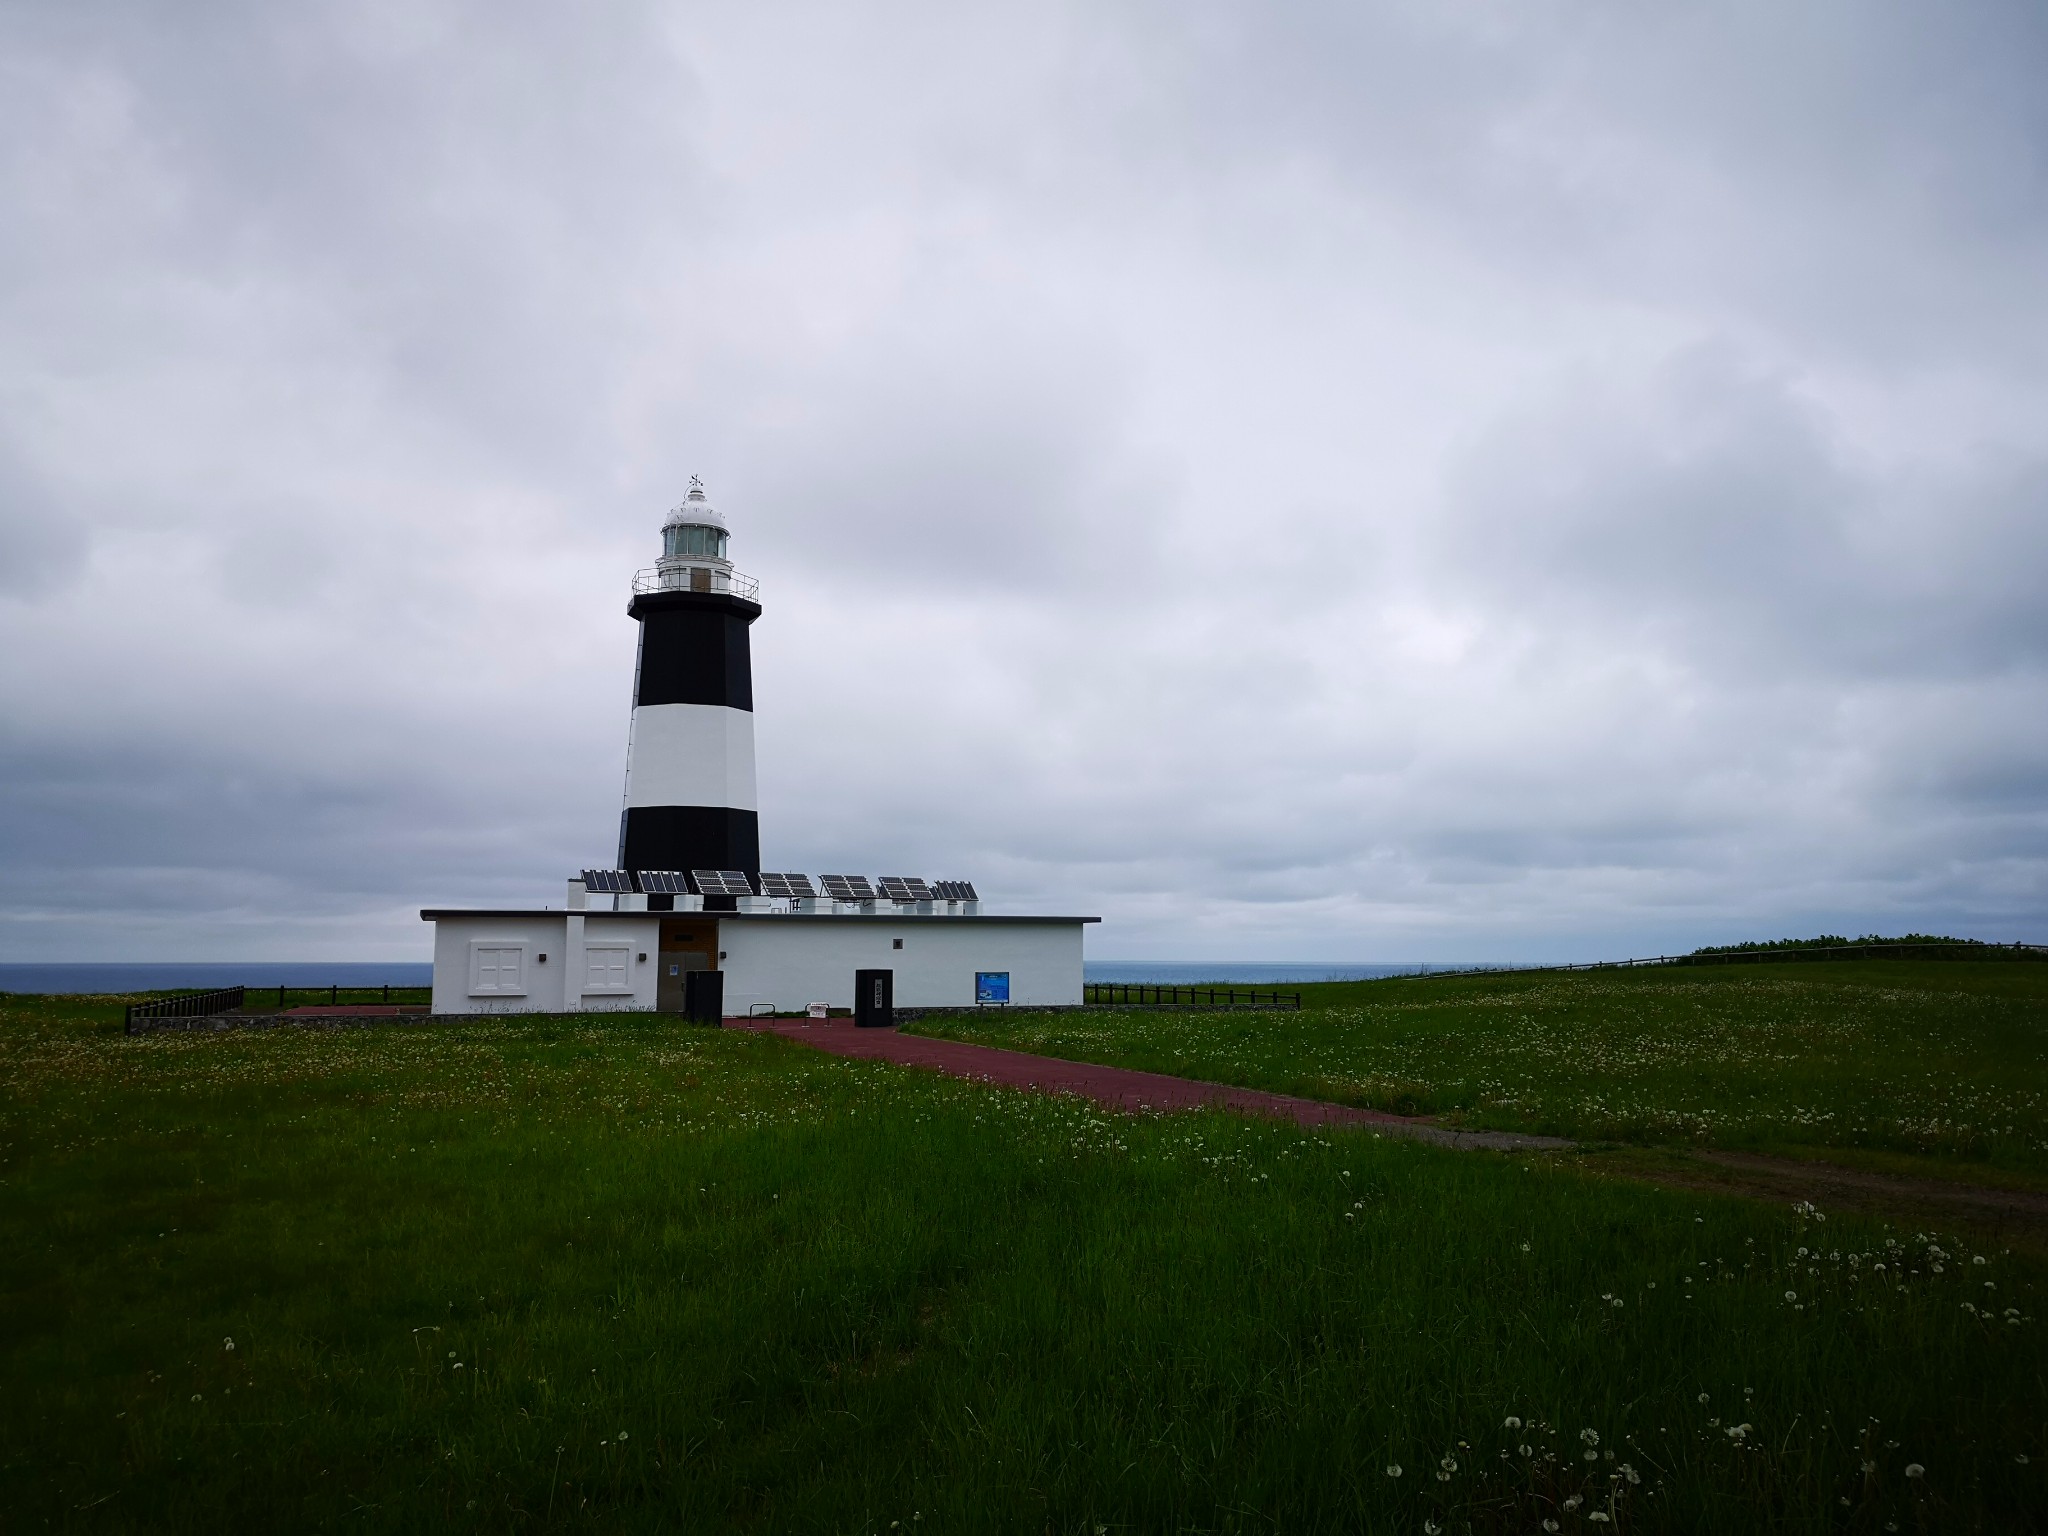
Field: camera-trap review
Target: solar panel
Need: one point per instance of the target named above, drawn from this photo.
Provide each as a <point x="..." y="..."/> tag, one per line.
<point x="722" y="882"/>
<point x="905" y="888"/>
<point x="617" y="881"/>
<point x="848" y="887"/>
<point x="954" y="890"/>
<point x="788" y="887"/>
<point x="664" y="882"/>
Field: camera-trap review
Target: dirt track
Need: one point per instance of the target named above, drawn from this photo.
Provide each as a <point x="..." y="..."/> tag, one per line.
<point x="1117" y="1087"/>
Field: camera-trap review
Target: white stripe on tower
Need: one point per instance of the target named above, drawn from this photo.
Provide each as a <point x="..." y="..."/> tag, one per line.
<point x="691" y="754"/>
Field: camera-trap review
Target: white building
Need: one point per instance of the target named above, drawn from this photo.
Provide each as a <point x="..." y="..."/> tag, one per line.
<point x="550" y="961"/>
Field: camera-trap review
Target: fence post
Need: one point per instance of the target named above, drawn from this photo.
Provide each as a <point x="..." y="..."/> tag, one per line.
<point x="334" y="993"/>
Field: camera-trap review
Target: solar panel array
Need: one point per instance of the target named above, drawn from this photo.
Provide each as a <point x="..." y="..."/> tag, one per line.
<point x="722" y="882"/>
<point x="904" y="889"/>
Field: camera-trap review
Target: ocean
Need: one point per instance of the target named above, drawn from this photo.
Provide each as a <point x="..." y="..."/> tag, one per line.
<point x="172" y="975"/>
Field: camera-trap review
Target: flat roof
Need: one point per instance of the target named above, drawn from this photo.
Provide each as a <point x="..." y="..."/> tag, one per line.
<point x="429" y="914"/>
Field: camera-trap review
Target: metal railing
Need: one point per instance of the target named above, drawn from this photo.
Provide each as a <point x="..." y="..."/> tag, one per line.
<point x="186" y="1005"/>
<point x="656" y="578"/>
<point x="1145" y="994"/>
<point x="256" y="1002"/>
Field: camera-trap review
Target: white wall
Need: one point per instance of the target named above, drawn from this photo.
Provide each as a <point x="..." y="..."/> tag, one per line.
<point x="788" y="962"/>
<point x="560" y="983"/>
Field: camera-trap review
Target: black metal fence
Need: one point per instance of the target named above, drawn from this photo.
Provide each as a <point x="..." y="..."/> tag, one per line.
<point x="312" y="996"/>
<point x="186" y="1005"/>
<point x="257" y="1001"/>
<point x="1152" y="995"/>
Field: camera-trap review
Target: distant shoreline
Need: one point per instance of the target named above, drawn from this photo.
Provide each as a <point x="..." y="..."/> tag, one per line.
<point x="150" y="976"/>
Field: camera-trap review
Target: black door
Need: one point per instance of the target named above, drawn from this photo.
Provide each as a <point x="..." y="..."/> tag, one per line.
<point x="874" y="999"/>
<point x="704" y="996"/>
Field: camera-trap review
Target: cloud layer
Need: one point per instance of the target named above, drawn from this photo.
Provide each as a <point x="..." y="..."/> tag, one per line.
<point x="1396" y="481"/>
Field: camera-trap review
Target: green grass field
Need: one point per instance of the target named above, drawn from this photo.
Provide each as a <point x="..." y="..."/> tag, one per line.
<point x="1944" y="1060"/>
<point x="621" y="1274"/>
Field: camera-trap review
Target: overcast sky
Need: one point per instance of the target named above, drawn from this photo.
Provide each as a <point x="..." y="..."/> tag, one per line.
<point x="1371" y="481"/>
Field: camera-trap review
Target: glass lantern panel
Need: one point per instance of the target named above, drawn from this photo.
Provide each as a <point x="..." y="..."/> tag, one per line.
<point x="694" y="539"/>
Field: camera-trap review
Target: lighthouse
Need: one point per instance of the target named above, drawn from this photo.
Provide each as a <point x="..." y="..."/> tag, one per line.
<point x="690" y="801"/>
<point x="688" y="922"/>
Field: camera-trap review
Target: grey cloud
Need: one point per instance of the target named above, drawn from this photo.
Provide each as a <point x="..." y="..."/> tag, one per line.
<point x="42" y="544"/>
<point x="1390" y="480"/>
<point x="1710" y="510"/>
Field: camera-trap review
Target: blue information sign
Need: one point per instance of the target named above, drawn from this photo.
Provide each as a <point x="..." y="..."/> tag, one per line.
<point x="991" y="987"/>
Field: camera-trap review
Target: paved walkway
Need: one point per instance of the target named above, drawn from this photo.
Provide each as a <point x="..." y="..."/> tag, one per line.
<point x="1117" y="1087"/>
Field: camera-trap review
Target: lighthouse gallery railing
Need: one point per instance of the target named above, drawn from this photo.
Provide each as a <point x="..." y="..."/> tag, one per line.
<point x="695" y="579"/>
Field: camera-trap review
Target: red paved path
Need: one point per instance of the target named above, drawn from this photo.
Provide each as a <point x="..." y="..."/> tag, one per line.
<point x="1117" y="1087"/>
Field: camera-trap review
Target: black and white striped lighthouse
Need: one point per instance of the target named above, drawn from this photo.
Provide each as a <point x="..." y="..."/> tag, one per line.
<point x="690" y="800"/>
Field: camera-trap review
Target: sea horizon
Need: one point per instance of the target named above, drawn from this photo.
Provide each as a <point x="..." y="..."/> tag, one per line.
<point x="95" y="977"/>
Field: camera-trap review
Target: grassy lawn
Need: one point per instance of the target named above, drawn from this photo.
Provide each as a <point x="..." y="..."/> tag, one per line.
<point x="1941" y="1061"/>
<point x="618" y="1273"/>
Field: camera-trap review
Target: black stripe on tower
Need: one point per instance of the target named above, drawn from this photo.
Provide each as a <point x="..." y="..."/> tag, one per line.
<point x="694" y="650"/>
<point x="690" y="837"/>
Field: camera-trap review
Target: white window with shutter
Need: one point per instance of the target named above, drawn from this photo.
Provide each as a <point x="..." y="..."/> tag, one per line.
<point x="497" y="970"/>
<point x="605" y="968"/>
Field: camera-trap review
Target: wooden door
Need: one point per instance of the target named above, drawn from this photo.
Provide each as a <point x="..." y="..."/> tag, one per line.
<point x="687" y="944"/>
